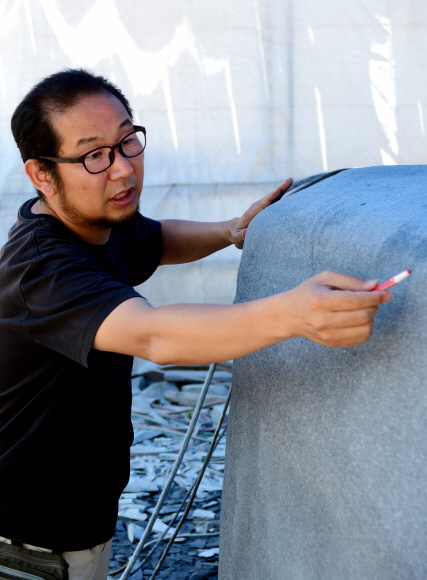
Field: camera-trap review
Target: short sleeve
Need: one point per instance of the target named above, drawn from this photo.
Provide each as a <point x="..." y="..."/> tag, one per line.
<point x="67" y="296"/>
<point x="142" y="244"/>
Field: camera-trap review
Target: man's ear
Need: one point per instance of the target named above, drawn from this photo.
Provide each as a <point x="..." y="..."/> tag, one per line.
<point x="40" y="179"/>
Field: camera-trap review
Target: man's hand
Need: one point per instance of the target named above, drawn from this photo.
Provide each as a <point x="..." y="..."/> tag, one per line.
<point x="186" y="241"/>
<point x="334" y="309"/>
<point x="240" y="225"/>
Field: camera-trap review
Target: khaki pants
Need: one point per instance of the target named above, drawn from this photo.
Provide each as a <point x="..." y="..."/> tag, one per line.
<point x="89" y="564"/>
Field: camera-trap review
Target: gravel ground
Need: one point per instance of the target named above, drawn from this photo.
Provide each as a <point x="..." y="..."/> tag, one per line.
<point x="163" y="402"/>
<point x="184" y="561"/>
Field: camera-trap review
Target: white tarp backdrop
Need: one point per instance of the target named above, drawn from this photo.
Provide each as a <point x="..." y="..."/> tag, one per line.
<point x="233" y="93"/>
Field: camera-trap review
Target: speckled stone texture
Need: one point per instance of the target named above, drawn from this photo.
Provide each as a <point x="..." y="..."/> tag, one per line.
<point x="326" y="465"/>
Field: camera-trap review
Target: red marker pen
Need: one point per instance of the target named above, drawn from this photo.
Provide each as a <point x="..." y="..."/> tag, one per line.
<point x="393" y="281"/>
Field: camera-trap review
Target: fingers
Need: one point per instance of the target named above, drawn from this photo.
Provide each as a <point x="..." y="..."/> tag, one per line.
<point x="344" y="282"/>
<point x="345" y="337"/>
<point x="270" y="198"/>
<point x="341" y="292"/>
<point x="334" y="309"/>
<point x="345" y="319"/>
<point x="342" y="328"/>
<point x="280" y="191"/>
<point x="337" y="300"/>
<point x="243" y="222"/>
<point x="267" y="200"/>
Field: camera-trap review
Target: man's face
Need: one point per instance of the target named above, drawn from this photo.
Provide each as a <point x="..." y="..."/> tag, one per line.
<point x="87" y="202"/>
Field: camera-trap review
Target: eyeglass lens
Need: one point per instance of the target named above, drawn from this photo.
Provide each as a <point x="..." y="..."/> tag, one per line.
<point x="100" y="159"/>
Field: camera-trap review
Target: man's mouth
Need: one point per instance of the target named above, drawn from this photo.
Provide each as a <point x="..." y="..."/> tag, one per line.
<point x="124" y="197"/>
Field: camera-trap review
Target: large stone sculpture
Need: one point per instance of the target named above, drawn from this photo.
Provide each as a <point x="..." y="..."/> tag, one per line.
<point x="326" y="468"/>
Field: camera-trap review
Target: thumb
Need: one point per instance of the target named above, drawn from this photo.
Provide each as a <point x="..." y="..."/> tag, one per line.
<point x="242" y="235"/>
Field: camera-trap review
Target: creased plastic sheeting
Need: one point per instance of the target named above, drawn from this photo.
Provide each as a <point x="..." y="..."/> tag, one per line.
<point x="238" y="91"/>
<point x="195" y="74"/>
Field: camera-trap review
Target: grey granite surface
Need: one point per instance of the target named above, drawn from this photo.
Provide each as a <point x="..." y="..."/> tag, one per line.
<point x="326" y="465"/>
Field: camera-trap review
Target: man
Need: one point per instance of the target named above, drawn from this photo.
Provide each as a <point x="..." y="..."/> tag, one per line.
<point x="70" y="320"/>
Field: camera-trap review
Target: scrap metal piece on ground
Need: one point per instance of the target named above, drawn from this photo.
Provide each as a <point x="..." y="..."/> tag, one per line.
<point x="159" y="428"/>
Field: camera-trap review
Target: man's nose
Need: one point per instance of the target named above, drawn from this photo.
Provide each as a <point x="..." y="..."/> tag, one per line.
<point x="120" y="166"/>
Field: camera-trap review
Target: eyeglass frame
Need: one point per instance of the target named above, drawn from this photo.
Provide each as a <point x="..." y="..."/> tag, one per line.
<point x="111" y="155"/>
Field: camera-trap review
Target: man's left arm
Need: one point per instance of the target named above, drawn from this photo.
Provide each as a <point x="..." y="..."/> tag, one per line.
<point x="186" y="241"/>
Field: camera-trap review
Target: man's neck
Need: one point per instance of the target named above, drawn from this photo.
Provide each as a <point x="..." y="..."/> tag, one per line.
<point x="39" y="207"/>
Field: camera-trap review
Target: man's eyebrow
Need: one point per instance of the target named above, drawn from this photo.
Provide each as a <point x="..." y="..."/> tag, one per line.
<point x="85" y="140"/>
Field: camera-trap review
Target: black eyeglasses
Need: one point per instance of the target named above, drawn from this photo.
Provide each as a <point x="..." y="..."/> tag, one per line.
<point x="99" y="159"/>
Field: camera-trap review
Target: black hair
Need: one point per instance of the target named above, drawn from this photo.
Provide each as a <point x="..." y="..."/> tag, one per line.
<point x="31" y="122"/>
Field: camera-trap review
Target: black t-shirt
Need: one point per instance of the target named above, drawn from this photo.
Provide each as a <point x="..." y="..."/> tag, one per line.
<point x="65" y="428"/>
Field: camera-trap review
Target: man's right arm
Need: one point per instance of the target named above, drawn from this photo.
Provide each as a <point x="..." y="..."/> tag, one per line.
<point x="331" y="309"/>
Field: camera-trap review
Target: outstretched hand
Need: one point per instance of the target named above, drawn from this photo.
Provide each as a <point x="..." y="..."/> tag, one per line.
<point x="238" y="231"/>
<point x="334" y="309"/>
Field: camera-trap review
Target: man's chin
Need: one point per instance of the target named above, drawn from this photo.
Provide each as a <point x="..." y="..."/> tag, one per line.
<point x="108" y="223"/>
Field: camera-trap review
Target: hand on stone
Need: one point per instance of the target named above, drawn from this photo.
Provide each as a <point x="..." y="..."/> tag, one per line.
<point x="336" y="310"/>
<point x="240" y="225"/>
